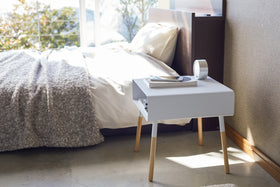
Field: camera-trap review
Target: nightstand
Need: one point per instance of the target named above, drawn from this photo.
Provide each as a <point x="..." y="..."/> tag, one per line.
<point x="208" y="99"/>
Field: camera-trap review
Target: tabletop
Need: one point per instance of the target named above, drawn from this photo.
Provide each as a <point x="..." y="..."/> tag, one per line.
<point x="208" y="99"/>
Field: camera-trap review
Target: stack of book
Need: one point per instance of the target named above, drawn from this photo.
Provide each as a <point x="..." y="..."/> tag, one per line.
<point x="170" y="81"/>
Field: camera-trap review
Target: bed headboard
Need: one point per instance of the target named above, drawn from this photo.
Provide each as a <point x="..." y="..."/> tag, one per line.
<point x="199" y="36"/>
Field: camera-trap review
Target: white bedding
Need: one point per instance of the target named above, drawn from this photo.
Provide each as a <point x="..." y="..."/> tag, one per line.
<point x="112" y="68"/>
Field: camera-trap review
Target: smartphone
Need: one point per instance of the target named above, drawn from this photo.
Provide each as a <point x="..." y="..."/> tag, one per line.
<point x="167" y="78"/>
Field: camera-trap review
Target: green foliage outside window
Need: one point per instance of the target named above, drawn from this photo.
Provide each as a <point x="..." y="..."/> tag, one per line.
<point x="37" y="26"/>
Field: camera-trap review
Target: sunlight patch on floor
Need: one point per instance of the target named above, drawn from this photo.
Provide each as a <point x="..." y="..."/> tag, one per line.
<point x="212" y="159"/>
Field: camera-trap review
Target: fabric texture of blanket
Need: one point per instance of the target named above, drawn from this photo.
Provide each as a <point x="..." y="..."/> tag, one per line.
<point x="45" y="102"/>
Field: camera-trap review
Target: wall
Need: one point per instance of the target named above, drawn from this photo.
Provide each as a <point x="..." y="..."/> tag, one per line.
<point x="252" y="70"/>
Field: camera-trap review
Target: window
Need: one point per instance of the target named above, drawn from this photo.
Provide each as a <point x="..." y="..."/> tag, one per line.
<point x="44" y="24"/>
<point x="113" y="20"/>
<point x="39" y="24"/>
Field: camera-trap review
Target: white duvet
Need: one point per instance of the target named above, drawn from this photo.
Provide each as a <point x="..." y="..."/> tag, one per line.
<point x="111" y="69"/>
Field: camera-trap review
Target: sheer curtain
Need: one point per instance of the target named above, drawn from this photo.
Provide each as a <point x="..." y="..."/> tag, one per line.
<point x="106" y="21"/>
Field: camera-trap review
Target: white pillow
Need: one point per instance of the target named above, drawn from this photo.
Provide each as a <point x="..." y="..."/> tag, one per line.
<point x="157" y="40"/>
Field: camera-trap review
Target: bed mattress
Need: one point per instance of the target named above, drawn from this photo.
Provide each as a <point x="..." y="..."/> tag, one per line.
<point x="62" y="98"/>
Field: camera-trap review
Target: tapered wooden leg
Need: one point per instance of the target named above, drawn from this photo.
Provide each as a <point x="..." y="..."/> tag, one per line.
<point x="138" y="133"/>
<point x="153" y="151"/>
<point x="200" y="131"/>
<point x="224" y="143"/>
<point x="152" y="158"/>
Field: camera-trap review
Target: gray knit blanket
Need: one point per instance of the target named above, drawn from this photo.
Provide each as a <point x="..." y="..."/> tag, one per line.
<point x="45" y="102"/>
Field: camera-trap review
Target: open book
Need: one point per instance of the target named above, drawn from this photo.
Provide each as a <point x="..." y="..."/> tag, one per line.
<point x="187" y="81"/>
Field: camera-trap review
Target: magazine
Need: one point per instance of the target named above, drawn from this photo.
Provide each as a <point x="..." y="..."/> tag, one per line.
<point x="167" y="78"/>
<point x="186" y="81"/>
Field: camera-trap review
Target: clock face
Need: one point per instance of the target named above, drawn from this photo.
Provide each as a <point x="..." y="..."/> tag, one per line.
<point x="200" y="69"/>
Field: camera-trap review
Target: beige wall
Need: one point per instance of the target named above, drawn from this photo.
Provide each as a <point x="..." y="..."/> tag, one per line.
<point x="252" y="70"/>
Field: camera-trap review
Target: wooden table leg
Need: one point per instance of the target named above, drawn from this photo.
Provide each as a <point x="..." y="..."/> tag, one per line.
<point x="200" y="131"/>
<point x="138" y="132"/>
<point x="224" y="143"/>
<point x="153" y="151"/>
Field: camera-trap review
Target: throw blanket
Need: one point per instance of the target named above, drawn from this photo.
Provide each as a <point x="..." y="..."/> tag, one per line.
<point x="45" y="101"/>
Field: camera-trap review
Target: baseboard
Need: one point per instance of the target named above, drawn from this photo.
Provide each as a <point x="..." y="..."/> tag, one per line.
<point x="264" y="161"/>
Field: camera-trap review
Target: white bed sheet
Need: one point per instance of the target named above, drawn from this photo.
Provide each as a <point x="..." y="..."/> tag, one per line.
<point x="112" y="68"/>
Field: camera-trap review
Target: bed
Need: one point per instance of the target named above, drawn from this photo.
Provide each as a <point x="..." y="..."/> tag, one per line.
<point x="62" y="98"/>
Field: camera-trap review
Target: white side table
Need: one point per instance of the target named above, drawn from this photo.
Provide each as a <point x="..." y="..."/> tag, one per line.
<point x="209" y="99"/>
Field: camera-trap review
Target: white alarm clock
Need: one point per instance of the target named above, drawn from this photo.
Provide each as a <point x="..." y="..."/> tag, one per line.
<point x="200" y="69"/>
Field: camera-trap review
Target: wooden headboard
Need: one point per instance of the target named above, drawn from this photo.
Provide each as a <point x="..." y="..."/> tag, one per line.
<point x="200" y="36"/>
